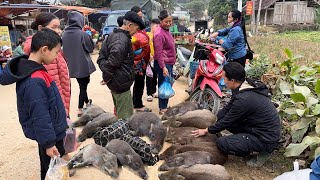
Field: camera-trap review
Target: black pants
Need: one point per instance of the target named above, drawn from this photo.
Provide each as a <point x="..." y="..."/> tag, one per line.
<point x="83" y="96"/>
<point x="151" y="83"/>
<point x="242" y="61"/>
<point x="138" y="88"/>
<point x="243" y="144"/>
<point x="45" y="159"/>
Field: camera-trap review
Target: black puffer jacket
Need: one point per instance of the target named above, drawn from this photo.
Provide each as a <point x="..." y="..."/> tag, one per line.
<point x="116" y="61"/>
<point x="250" y="109"/>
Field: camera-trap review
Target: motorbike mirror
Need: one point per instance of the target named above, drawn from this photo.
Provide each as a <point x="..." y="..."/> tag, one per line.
<point x="211" y="30"/>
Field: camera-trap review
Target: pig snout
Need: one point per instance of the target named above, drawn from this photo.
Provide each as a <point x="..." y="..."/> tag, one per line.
<point x="113" y="173"/>
<point x="143" y="174"/>
<point x="164" y="167"/>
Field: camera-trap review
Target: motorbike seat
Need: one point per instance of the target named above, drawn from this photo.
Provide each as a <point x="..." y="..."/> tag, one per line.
<point x="186" y="52"/>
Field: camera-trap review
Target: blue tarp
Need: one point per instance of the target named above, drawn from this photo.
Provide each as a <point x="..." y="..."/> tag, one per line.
<point x="315" y="166"/>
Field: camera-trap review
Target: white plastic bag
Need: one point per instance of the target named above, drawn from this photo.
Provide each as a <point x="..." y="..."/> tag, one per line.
<point x="58" y="169"/>
<point x="149" y="72"/>
<point x="296" y="174"/>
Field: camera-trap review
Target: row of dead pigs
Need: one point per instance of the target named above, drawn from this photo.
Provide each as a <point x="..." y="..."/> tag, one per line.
<point x="188" y="158"/>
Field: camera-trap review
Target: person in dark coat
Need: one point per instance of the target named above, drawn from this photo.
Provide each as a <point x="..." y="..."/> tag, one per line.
<point x="42" y="114"/>
<point x="77" y="46"/>
<point x="116" y="63"/>
<point x="250" y="116"/>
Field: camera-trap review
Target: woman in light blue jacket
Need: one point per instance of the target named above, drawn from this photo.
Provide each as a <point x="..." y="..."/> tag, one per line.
<point x="235" y="38"/>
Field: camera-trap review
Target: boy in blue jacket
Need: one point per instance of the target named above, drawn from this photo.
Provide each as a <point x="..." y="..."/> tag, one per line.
<point x="41" y="111"/>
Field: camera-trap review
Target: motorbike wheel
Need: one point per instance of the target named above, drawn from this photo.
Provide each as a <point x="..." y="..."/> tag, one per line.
<point x="209" y="99"/>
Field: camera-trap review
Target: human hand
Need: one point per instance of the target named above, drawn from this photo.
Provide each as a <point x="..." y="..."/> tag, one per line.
<point x="221" y="41"/>
<point x="165" y="71"/>
<point x="214" y="35"/>
<point x="199" y="132"/>
<point x="52" y="152"/>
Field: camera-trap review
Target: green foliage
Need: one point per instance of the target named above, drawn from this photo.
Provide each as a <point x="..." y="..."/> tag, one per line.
<point x="258" y="67"/>
<point x="311" y="36"/>
<point x="167" y="4"/>
<point x="219" y="9"/>
<point x="297" y="93"/>
<point x="196" y="8"/>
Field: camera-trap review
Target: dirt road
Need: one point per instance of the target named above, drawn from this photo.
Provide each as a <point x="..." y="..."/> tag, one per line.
<point x="19" y="156"/>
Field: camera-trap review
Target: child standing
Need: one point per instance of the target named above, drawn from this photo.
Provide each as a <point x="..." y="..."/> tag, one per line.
<point x="41" y="111"/>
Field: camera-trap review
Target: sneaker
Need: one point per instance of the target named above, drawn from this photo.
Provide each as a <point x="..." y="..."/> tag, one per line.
<point x="259" y="159"/>
<point x="149" y="98"/>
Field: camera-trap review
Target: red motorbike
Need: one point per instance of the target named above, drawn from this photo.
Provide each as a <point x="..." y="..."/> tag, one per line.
<point x="205" y="89"/>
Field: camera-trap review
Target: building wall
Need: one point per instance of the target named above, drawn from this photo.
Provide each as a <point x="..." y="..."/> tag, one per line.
<point x="293" y="12"/>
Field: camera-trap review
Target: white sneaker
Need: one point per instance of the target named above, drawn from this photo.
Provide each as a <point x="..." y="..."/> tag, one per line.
<point x="149" y="98"/>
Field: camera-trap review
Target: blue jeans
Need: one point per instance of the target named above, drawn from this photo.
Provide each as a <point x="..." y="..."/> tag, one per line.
<point x="163" y="103"/>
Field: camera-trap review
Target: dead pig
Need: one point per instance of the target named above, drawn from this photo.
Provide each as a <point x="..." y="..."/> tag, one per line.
<point x="218" y="156"/>
<point x="198" y="118"/>
<point x="149" y="124"/>
<point x="182" y="135"/>
<point x="88" y="115"/>
<point x="186" y="159"/>
<point x="127" y="156"/>
<point x="103" y="120"/>
<point x="180" y="109"/>
<point x="97" y="156"/>
<point x="197" y="172"/>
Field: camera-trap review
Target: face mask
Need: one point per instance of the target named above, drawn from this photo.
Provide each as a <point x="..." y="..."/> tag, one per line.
<point x="231" y="24"/>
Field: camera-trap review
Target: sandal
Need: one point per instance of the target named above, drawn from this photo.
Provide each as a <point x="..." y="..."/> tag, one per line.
<point x="162" y="111"/>
<point x="144" y="110"/>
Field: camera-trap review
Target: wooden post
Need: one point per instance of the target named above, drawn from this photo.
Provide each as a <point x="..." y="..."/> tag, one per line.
<point x="258" y="16"/>
<point x="265" y="17"/>
<point x="253" y="18"/>
<point x="240" y="5"/>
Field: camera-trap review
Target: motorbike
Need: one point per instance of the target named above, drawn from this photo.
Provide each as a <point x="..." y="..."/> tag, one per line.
<point x="205" y="85"/>
<point x="182" y="65"/>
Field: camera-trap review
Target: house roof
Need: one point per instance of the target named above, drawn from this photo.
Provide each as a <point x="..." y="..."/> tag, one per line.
<point x="265" y="4"/>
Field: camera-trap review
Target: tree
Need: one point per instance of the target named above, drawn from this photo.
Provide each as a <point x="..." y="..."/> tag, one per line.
<point x="219" y="9"/>
<point x="167" y="4"/>
<point x="196" y="8"/>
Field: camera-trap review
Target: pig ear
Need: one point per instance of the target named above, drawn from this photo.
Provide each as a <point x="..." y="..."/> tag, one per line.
<point x="179" y="159"/>
<point x="104" y="157"/>
<point x="129" y="158"/>
<point x="179" y="177"/>
<point x="177" y="123"/>
<point x="151" y="128"/>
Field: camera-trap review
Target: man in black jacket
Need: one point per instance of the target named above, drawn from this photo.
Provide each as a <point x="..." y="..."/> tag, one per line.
<point x="250" y="116"/>
<point x="116" y="63"/>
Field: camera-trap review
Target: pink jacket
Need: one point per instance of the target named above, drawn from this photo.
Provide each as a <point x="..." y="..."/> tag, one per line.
<point x="58" y="70"/>
<point x="164" y="46"/>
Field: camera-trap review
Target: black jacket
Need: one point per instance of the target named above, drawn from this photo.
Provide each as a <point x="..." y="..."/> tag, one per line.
<point x="251" y="109"/>
<point x="41" y="111"/>
<point x="116" y="61"/>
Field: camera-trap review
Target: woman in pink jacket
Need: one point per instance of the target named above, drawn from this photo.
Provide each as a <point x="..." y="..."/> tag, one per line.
<point x="58" y="69"/>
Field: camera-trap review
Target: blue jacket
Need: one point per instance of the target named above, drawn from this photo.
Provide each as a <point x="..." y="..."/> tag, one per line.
<point x="41" y="111"/>
<point x="234" y="42"/>
<point x="315" y="166"/>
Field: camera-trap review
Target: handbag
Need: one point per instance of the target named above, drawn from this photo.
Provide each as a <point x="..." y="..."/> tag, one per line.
<point x="70" y="143"/>
<point x="250" y="52"/>
<point x="149" y="72"/>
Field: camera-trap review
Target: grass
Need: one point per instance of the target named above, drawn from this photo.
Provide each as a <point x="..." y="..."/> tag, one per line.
<point x="303" y="43"/>
<point x="313" y="36"/>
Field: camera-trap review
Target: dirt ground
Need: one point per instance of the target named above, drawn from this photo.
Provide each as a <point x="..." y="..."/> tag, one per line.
<point x="19" y="156"/>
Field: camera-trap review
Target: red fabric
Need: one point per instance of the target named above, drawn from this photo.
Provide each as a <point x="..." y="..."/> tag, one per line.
<point x="142" y="42"/>
<point x="59" y="72"/>
<point x="42" y="75"/>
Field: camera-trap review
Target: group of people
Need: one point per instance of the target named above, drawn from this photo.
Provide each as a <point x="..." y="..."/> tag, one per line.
<point x="125" y="55"/>
<point x="43" y="81"/>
